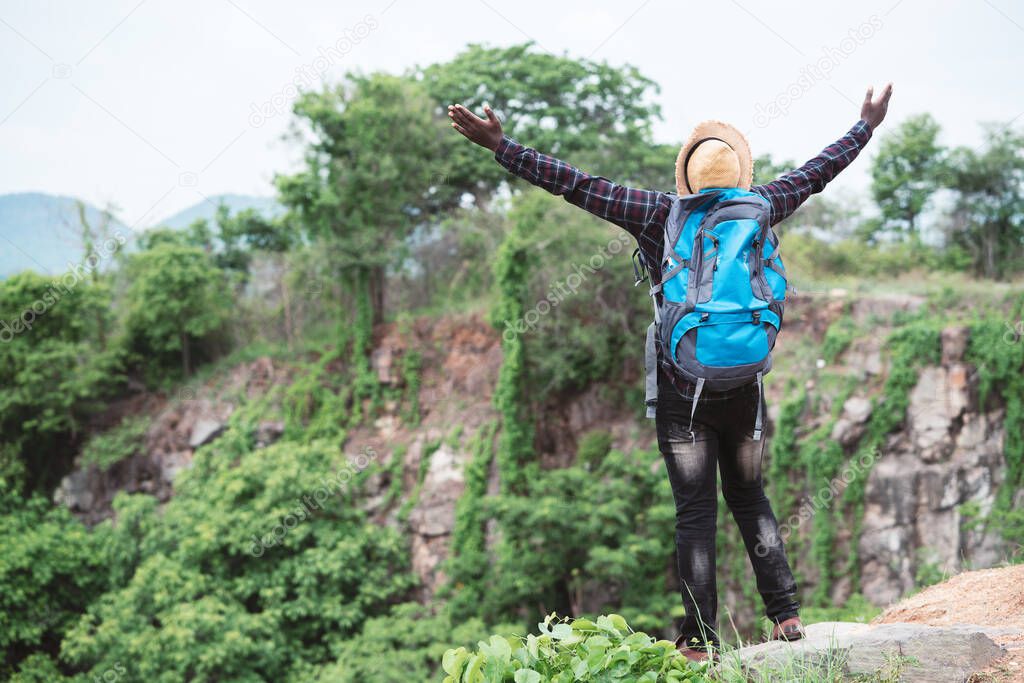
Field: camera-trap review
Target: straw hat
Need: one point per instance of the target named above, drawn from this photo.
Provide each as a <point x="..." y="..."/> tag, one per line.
<point x="715" y="155"/>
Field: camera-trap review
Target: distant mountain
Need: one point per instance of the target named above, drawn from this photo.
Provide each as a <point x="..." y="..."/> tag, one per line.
<point x="267" y="206"/>
<point x="40" y="231"/>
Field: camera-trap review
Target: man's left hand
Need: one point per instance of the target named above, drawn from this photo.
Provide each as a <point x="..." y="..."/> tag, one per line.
<point x="873" y="110"/>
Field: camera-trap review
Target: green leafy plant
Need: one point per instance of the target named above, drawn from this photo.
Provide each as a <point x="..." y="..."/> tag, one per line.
<point x="580" y="650"/>
<point x="838" y="337"/>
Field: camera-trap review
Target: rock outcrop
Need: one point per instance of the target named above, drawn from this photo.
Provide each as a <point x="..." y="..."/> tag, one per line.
<point x="950" y="453"/>
<point x="187" y="419"/>
<point x="968" y="628"/>
<point x="909" y="653"/>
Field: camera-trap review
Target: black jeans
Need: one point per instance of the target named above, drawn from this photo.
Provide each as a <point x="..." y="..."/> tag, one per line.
<point x="723" y="429"/>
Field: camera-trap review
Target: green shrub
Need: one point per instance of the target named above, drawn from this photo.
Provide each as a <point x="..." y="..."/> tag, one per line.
<point x="838" y="337"/>
<point x="579" y="527"/>
<point x="56" y="368"/>
<point x="51" y="568"/>
<point x="257" y="569"/>
<point x="116" y="444"/>
<point x="594" y="446"/>
<point x="602" y="650"/>
<point x="405" y="645"/>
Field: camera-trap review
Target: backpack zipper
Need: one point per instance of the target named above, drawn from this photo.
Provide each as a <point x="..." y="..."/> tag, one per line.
<point x="766" y="290"/>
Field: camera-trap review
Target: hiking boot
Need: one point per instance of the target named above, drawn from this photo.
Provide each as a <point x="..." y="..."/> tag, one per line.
<point x="696" y="654"/>
<point x="789" y="630"/>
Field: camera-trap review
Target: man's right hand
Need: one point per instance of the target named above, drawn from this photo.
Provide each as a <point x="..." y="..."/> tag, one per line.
<point x="484" y="132"/>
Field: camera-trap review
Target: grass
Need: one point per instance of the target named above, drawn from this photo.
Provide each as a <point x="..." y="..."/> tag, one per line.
<point x="856" y="608"/>
<point x="828" y="665"/>
<point x="916" y="282"/>
<point x="823" y="667"/>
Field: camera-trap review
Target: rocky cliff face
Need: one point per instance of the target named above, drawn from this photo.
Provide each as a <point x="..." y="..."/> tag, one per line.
<point x="948" y="453"/>
<point x="189" y="417"/>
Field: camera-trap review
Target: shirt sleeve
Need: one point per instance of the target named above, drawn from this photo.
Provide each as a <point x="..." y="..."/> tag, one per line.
<point x="629" y="208"/>
<point x="786" y="193"/>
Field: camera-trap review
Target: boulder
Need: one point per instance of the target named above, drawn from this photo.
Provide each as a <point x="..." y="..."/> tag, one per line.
<point x="857" y="409"/>
<point x="938" y="399"/>
<point x="268" y="432"/>
<point x="170" y="464"/>
<point x="910" y="653"/>
<point x="851" y="423"/>
<point x="864" y="357"/>
<point x="204" y="431"/>
<point x="75" y="491"/>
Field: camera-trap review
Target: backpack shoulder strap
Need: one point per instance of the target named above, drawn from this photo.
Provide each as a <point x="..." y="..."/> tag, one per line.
<point x="682" y="207"/>
<point x="745" y="207"/>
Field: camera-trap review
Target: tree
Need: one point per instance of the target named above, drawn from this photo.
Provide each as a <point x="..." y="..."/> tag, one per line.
<point x="905" y="173"/>
<point x="766" y="169"/>
<point x="988" y="216"/>
<point x="837" y="217"/>
<point x="249" y="231"/>
<point x="103" y="230"/>
<point x="373" y="145"/>
<point x="52" y="367"/>
<point x="589" y="113"/>
<point x="175" y="296"/>
<point x="102" y="233"/>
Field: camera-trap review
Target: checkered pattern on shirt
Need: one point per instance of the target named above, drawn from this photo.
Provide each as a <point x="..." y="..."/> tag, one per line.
<point x="643" y="212"/>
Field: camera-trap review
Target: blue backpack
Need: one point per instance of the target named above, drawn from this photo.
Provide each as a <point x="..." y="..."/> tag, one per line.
<point x="720" y="302"/>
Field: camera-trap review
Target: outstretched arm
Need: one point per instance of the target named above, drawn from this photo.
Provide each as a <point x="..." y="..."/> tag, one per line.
<point x="629" y="208"/>
<point x="789" y="191"/>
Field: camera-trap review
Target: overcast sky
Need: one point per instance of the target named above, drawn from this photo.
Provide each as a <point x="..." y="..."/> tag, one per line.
<point x="149" y="104"/>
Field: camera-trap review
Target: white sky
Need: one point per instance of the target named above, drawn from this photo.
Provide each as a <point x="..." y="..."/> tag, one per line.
<point x="147" y="104"/>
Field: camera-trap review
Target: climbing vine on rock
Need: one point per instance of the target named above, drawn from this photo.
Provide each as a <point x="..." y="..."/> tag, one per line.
<point x="996" y="349"/>
<point x="822" y="458"/>
<point x="365" y="385"/>
<point x="467" y="559"/>
<point x="511" y="275"/>
<point x="412" y="365"/>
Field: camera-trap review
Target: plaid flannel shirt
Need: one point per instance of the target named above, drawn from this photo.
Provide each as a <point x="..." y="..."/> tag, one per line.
<point x="643" y="212"/>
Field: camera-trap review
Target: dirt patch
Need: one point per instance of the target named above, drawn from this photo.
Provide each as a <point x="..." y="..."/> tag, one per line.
<point x="987" y="597"/>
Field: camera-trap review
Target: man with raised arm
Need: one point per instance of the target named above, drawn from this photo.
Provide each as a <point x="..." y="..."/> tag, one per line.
<point x="725" y="431"/>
